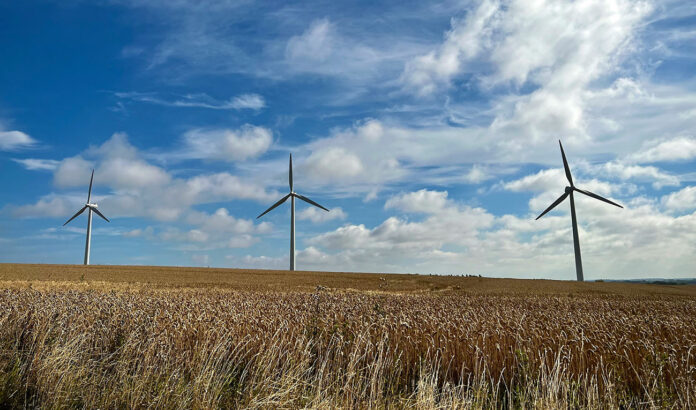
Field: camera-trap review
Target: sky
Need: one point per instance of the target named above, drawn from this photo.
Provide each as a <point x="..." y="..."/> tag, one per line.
<point x="429" y="129"/>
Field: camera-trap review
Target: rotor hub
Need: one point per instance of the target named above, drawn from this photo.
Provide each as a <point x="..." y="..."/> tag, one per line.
<point x="568" y="190"/>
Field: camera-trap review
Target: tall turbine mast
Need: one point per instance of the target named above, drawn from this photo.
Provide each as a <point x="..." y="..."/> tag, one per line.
<point x="569" y="191"/>
<point x="91" y="208"/>
<point x="292" y="195"/>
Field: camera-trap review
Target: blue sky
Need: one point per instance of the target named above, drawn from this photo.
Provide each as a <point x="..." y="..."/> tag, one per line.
<point x="430" y="130"/>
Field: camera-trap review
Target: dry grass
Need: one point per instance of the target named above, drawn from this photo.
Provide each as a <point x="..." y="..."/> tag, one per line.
<point x="102" y="341"/>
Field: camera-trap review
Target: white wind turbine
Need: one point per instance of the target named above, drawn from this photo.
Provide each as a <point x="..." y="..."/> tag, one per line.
<point x="569" y="190"/>
<point x="292" y="195"/>
<point x="92" y="208"/>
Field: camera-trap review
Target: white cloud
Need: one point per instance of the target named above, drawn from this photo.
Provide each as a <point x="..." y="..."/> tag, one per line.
<point x="137" y="188"/>
<point x="638" y="241"/>
<point x="423" y="201"/>
<point x="682" y="200"/>
<point x="315" y="44"/>
<point x="675" y="149"/>
<point x="345" y="52"/>
<point x="333" y="164"/>
<point x="37" y="164"/>
<point x="50" y="206"/>
<point x="240" y="102"/>
<point x="137" y="233"/>
<point x="119" y="165"/>
<point x="445" y="222"/>
<point x="221" y="222"/>
<point x="220" y="186"/>
<point x="317" y="215"/>
<point x="652" y="174"/>
<point x="73" y="171"/>
<point x="124" y="173"/>
<point x="15" y="140"/>
<point x="544" y="180"/>
<point x="476" y="175"/>
<point x="558" y="48"/>
<point x="242" y="241"/>
<point x="248" y="101"/>
<point x="228" y="145"/>
<point x="427" y="73"/>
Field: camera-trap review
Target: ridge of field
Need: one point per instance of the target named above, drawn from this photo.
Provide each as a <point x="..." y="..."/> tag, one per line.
<point x="117" y="276"/>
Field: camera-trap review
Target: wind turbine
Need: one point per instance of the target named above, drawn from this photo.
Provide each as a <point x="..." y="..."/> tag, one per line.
<point x="292" y="195"/>
<point x="92" y="208"/>
<point x="569" y="192"/>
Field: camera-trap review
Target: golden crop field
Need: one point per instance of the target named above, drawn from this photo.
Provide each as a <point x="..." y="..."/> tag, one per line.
<point x="132" y="337"/>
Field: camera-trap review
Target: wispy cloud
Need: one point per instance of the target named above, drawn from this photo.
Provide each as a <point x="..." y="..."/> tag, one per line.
<point x="37" y="164"/>
<point x="239" y="102"/>
<point x="15" y="140"/>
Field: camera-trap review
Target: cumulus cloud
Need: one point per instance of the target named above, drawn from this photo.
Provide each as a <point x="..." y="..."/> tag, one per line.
<point x="73" y="171"/>
<point x="126" y="185"/>
<point x="444" y="222"/>
<point x="674" y="149"/>
<point x="317" y="215"/>
<point x="650" y="174"/>
<point x="544" y="180"/>
<point x="50" y="206"/>
<point x="222" y="222"/>
<point x="228" y="145"/>
<point x="458" y="239"/>
<point x="334" y="164"/>
<point x="118" y="164"/>
<point x="423" y="201"/>
<point x="682" y="200"/>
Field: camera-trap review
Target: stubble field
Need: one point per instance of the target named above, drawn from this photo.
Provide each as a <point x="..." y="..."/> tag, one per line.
<point x="130" y="337"/>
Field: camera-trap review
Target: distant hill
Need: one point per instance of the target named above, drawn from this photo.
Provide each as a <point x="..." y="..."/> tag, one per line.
<point x="655" y="281"/>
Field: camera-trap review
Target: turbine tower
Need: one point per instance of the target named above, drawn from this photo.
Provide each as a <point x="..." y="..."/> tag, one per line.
<point x="569" y="192"/>
<point x="292" y="195"/>
<point x="92" y="208"/>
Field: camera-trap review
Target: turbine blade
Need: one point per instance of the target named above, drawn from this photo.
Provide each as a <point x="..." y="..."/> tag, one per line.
<point x="595" y="196"/>
<point x="283" y="199"/>
<point x="565" y="165"/>
<point x="290" y="173"/>
<point x="553" y="205"/>
<point x="304" y="198"/>
<point x="96" y="211"/>
<point x="76" y="215"/>
<point x="89" y="194"/>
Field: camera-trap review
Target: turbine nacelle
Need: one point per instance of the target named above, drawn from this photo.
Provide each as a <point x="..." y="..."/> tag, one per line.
<point x="93" y="206"/>
<point x="568" y="189"/>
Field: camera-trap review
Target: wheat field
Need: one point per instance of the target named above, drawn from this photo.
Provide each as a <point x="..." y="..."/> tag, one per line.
<point x="135" y="337"/>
